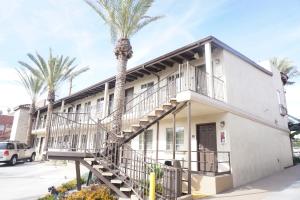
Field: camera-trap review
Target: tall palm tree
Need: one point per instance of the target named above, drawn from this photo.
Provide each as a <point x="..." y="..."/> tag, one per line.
<point x="287" y="68"/>
<point x="34" y="87"/>
<point x="124" y="18"/>
<point x="73" y="75"/>
<point x="53" y="73"/>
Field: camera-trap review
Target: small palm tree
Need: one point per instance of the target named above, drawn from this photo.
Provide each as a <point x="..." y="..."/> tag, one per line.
<point x="34" y="87"/>
<point x="287" y="68"/>
<point x="73" y="75"/>
<point x="124" y="18"/>
<point x="53" y="73"/>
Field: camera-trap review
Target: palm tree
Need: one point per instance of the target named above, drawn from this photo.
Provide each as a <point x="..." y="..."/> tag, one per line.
<point x="73" y="75"/>
<point x="34" y="87"/>
<point x="287" y="69"/>
<point x="124" y="18"/>
<point x="53" y="73"/>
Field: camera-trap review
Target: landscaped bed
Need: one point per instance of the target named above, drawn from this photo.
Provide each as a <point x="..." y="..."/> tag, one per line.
<point x="67" y="191"/>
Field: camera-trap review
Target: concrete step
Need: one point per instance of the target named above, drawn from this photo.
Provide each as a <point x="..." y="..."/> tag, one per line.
<point x="158" y="111"/>
<point x="125" y="189"/>
<point x="116" y="181"/>
<point x="173" y="101"/>
<point x="107" y="174"/>
<point x="98" y="166"/>
<point x="144" y="122"/>
<point x="89" y="159"/>
<point x="167" y="106"/>
<point x="136" y="126"/>
<point x="128" y="131"/>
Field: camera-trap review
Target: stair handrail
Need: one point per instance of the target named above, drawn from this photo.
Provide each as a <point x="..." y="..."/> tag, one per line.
<point x="135" y="101"/>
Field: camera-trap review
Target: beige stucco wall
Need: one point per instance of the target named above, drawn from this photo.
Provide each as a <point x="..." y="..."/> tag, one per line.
<point x="257" y="150"/>
<point x="252" y="90"/>
<point x="182" y="122"/>
<point x="20" y="125"/>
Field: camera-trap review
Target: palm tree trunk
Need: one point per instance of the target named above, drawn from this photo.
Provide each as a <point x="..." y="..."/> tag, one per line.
<point x="30" y="124"/>
<point x="70" y="86"/>
<point x="51" y="98"/>
<point x="123" y="52"/>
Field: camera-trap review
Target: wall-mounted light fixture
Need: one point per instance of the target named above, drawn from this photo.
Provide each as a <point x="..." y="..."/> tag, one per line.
<point x="222" y="124"/>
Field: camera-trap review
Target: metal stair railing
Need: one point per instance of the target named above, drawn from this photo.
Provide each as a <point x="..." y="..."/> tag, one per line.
<point x="142" y="105"/>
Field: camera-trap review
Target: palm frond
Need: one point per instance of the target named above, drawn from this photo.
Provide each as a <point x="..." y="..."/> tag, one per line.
<point x="52" y="71"/>
<point x="33" y="85"/>
<point x="285" y="66"/>
<point x="124" y="17"/>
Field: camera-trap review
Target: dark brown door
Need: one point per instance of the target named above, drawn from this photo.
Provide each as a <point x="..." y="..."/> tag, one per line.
<point x="207" y="147"/>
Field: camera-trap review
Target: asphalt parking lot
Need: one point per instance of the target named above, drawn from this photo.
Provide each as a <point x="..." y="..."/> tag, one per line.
<point x="28" y="181"/>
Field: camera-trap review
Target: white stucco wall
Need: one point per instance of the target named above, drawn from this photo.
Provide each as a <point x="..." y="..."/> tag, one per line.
<point x="257" y="150"/>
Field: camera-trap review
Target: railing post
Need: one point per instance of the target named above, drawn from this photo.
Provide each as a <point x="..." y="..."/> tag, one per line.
<point x="152" y="186"/>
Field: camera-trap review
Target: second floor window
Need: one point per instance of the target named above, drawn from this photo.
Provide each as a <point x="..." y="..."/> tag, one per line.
<point x="110" y="103"/>
<point x="128" y="99"/>
<point x="87" y="107"/>
<point x="179" y="144"/>
<point x="78" y="111"/>
<point x="100" y="105"/>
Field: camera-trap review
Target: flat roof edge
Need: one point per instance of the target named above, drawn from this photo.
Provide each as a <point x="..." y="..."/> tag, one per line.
<point x="241" y="56"/>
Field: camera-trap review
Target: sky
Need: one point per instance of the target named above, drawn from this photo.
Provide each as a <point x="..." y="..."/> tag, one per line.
<point x="258" y="29"/>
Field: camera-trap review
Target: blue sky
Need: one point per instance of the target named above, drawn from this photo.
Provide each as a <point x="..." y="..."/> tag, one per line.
<point x="258" y="29"/>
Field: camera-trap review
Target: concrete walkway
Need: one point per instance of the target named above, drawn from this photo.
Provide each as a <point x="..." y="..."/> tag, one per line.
<point x="29" y="181"/>
<point x="280" y="186"/>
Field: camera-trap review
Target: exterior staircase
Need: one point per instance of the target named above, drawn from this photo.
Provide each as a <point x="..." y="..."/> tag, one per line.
<point x="107" y="154"/>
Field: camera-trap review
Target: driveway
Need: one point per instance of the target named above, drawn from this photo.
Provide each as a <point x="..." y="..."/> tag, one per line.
<point x="280" y="186"/>
<point x="28" y="181"/>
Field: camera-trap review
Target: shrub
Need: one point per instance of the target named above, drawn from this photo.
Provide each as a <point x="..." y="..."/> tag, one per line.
<point x="92" y="193"/>
<point x="70" y="185"/>
<point x="47" y="197"/>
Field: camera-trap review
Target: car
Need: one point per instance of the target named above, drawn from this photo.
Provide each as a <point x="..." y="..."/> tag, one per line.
<point x="296" y="152"/>
<point x="13" y="151"/>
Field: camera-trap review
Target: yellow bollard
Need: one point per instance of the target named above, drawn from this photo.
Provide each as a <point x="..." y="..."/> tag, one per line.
<point x="152" y="186"/>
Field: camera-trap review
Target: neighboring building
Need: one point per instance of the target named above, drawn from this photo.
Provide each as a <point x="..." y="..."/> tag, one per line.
<point x="6" y="122"/>
<point x="20" y="123"/>
<point x="230" y="120"/>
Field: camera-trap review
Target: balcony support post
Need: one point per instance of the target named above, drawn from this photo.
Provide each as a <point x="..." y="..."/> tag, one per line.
<point x="209" y="68"/>
<point x="37" y="120"/>
<point x="157" y="140"/>
<point x="62" y="106"/>
<point x="189" y="147"/>
<point x="78" y="177"/>
<point x="174" y="136"/>
<point x="105" y="101"/>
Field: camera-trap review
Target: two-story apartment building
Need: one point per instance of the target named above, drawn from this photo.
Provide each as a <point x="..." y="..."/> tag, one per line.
<point x="230" y="120"/>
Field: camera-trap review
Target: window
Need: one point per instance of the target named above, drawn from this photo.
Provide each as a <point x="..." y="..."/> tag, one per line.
<point x="100" y="105"/>
<point x="20" y="146"/>
<point x="78" y="111"/>
<point x="128" y="99"/>
<point x="110" y="103"/>
<point x="179" y="138"/>
<point x="87" y="107"/>
<point x="146" y="138"/>
<point x="147" y="85"/>
<point x="10" y="146"/>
